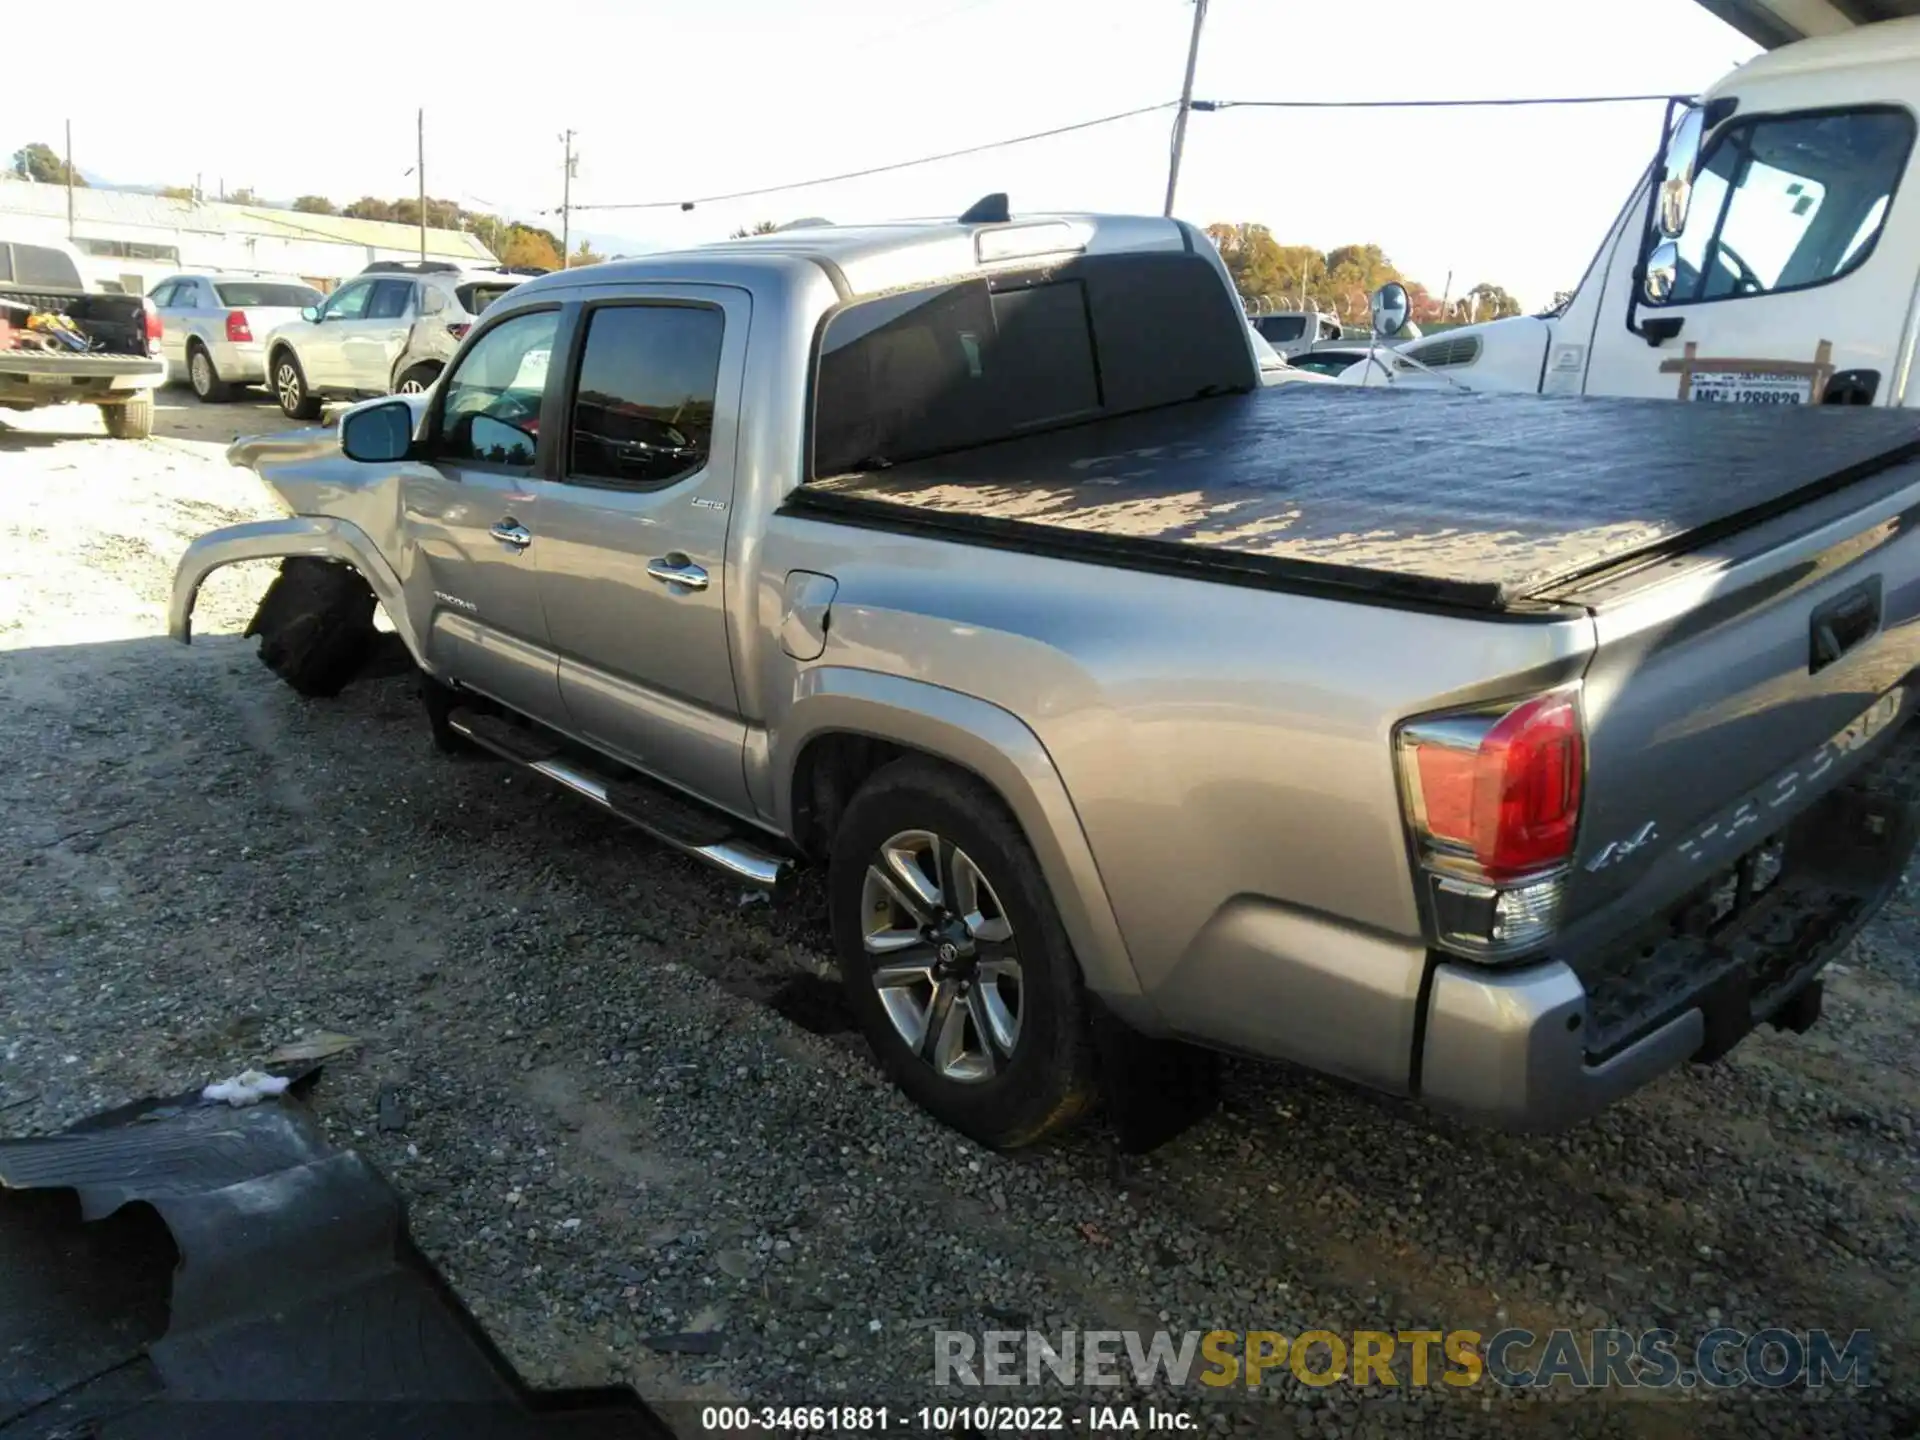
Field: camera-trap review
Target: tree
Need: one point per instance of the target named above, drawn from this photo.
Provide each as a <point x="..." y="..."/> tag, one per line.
<point x="369" y="207"/>
<point x="1561" y="300"/>
<point x="38" y="162"/>
<point x="315" y="205"/>
<point x="759" y="227"/>
<point x="177" y="192"/>
<point x="525" y="246"/>
<point x="243" y="196"/>
<point x="585" y="254"/>
<point x="1490" y="302"/>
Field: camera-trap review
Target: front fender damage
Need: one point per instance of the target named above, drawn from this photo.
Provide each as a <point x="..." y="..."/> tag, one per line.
<point x="306" y="536"/>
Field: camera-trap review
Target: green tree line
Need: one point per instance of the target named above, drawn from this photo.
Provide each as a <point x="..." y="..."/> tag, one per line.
<point x="1341" y="281"/>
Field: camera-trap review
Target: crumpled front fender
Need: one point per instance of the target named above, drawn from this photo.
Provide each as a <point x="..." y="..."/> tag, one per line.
<point x="316" y="537"/>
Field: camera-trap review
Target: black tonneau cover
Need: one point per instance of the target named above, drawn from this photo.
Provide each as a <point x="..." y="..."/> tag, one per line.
<point x="1461" y="499"/>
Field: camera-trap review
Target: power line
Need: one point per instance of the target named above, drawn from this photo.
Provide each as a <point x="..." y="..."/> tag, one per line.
<point x="1419" y="104"/>
<point x="879" y="169"/>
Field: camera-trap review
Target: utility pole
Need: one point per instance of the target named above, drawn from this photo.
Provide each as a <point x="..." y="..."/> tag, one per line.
<point x="420" y="169"/>
<point x="1186" y="103"/>
<point x="1446" y="293"/>
<point x="566" y="203"/>
<point x="69" y="180"/>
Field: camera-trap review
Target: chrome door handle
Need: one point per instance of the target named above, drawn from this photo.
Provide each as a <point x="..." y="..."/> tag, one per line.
<point x="677" y="569"/>
<point x="512" y="532"/>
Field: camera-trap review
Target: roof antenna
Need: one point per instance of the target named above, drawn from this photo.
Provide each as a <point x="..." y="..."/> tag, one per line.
<point x="988" y="210"/>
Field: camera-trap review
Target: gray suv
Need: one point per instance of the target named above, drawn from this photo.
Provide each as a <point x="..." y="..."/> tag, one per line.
<point x="389" y="330"/>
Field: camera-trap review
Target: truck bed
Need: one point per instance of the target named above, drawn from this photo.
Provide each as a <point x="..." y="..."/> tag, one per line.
<point x="1480" y="501"/>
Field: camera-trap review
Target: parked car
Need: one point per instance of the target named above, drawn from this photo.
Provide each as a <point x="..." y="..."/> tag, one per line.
<point x="389" y="330"/>
<point x="1496" y="755"/>
<point x="1294" y="332"/>
<point x="216" y="326"/>
<point x="122" y="365"/>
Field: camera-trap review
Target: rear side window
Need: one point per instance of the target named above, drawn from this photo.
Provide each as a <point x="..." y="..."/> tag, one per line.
<point x="1282" y="327"/>
<point x="38" y="265"/>
<point x="921" y="372"/>
<point x="267" y="295"/>
<point x="643" y="410"/>
<point x="1787" y="202"/>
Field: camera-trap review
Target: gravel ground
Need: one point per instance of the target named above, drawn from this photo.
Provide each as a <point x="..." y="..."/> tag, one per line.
<point x="630" y="1111"/>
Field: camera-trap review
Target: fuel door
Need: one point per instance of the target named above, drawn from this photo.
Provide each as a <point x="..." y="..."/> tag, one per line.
<point x="806" y="611"/>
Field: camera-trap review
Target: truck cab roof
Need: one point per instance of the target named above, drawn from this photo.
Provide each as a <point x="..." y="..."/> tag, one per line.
<point x="1891" y="42"/>
<point x="868" y="259"/>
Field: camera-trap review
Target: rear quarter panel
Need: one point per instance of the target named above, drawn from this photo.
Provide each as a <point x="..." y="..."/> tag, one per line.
<point x="1216" y="741"/>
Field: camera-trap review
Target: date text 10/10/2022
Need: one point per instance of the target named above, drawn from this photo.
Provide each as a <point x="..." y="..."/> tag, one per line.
<point x="865" y="1420"/>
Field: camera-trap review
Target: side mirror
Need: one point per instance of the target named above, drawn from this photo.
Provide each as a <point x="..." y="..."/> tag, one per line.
<point x="379" y="434"/>
<point x="1391" y="307"/>
<point x="1676" y="186"/>
<point x="311" y="314"/>
<point x="1663" y="269"/>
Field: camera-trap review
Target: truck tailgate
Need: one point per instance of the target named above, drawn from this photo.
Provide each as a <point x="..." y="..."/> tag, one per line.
<point x="1735" y="687"/>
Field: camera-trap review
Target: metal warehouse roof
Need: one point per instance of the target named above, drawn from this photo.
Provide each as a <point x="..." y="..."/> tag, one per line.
<point x="128" y="207"/>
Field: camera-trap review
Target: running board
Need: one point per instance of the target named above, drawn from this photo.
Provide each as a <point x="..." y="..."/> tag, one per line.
<point x="680" y="824"/>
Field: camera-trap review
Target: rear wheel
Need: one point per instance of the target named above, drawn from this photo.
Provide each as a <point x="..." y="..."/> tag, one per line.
<point x="290" y="388"/>
<point x="315" y="625"/>
<point x="131" y="419"/>
<point x="954" y="957"/>
<point x="205" y="380"/>
<point x="417" y="379"/>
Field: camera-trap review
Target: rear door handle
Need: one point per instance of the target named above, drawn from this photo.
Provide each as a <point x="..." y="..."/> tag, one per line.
<point x="512" y="532"/>
<point x="677" y="569"/>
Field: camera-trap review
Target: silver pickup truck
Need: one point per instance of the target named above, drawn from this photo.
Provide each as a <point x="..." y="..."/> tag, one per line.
<point x="1498" y="752"/>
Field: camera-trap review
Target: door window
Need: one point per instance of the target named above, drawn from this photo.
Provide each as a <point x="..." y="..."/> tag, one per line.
<point x="1787" y="202"/>
<point x="490" y="402"/>
<point x="390" y="299"/>
<point x="349" y="302"/>
<point x="162" y="296"/>
<point x="643" y="411"/>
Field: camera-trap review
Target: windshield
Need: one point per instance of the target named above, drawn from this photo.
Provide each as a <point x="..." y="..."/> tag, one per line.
<point x="267" y="294"/>
<point x="475" y="299"/>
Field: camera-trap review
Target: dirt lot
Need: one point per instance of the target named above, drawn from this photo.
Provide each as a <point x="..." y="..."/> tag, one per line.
<point x="630" y="1113"/>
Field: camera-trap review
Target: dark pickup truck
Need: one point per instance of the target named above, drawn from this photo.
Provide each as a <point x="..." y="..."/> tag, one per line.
<point x="118" y="372"/>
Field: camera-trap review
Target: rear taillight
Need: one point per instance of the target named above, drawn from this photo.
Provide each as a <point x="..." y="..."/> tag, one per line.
<point x="1493" y="798"/>
<point x="458" y="329"/>
<point x="150" y="319"/>
<point x="237" y="326"/>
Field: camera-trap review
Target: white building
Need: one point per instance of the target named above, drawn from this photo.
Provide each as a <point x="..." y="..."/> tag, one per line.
<point x="133" y="240"/>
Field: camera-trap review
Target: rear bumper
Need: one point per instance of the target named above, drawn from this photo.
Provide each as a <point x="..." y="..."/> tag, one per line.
<point x="240" y="363"/>
<point x="1541" y="1046"/>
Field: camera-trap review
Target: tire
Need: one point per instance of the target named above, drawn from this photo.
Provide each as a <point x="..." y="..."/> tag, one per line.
<point x="1003" y="1097"/>
<point x="289" y="385"/>
<point x="315" y="625"/>
<point x="204" y="379"/>
<point x="416" y="378"/>
<point x="131" y="420"/>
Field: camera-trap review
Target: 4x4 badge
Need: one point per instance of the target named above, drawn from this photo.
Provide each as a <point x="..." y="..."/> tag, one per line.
<point x="1617" y="850"/>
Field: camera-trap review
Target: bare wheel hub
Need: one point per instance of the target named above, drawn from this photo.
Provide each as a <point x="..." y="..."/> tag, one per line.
<point x="943" y="954"/>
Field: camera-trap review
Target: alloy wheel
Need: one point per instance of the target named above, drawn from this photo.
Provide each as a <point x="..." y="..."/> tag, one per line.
<point x="943" y="956"/>
<point x="200" y="371"/>
<point x="286" y="384"/>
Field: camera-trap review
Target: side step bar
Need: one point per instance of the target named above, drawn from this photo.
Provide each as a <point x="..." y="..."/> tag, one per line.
<point x="680" y="824"/>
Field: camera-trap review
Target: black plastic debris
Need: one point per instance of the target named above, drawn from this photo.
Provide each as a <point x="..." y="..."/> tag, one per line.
<point x="173" y="1270"/>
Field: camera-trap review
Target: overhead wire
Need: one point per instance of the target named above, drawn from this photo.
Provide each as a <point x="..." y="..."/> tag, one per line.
<point x="1199" y="105"/>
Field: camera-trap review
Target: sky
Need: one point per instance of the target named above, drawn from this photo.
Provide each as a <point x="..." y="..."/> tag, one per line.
<point x="672" y="99"/>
